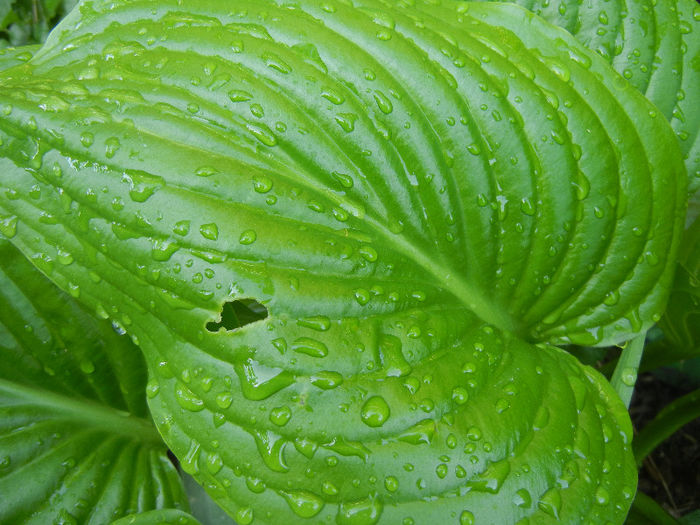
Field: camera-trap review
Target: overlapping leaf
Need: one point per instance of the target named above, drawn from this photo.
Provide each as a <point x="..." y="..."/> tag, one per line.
<point x="654" y="44"/>
<point x="76" y="445"/>
<point x="411" y="194"/>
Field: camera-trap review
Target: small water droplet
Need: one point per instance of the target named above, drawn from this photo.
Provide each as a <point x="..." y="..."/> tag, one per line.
<point x="248" y="237"/>
<point x="209" y="231"/>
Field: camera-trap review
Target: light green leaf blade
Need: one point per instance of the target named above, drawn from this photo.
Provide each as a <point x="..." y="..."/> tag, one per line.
<point x="76" y="444"/>
<point x="411" y="195"/>
<point x="655" y="45"/>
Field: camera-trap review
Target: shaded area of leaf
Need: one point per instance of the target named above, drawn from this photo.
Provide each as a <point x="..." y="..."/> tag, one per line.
<point x="76" y="441"/>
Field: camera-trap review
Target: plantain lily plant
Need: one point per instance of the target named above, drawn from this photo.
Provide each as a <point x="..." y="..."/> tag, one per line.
<point x="340" y="249"/>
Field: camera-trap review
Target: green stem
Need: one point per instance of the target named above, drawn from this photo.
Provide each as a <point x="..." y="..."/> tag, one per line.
<point x="670" y="419"/>
<point x="625" y="375"/>
<point x="83" y="411"/>
<point x="647" y="510"/>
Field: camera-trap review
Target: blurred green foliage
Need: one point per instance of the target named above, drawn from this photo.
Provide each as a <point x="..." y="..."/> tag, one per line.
<point x="29" y="21"/>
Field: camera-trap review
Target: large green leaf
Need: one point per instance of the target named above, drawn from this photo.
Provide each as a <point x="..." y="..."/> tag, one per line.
<point x="654" y="44"/>
<point x="76" y="443"/>
<point x="423" y="200"/>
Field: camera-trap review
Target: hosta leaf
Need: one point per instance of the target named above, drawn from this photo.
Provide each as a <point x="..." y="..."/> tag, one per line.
<point x="76" y="445"/>
<point x="333" y="230"/>
<point x="654" y="44"/>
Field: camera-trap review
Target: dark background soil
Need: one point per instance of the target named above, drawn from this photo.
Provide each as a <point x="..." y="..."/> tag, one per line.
<point x="671" y="473"/>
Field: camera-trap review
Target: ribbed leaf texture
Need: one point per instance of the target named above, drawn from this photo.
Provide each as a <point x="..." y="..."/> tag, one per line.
<point x="403" y="206"/>
<point x="76" y="441"/>
<point x="655" y="44"/>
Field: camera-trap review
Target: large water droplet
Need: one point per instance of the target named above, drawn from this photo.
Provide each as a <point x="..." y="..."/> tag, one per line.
<point x="375" y="411"/>
<point x="303" y="503"/>
<point x="311" y="347"/>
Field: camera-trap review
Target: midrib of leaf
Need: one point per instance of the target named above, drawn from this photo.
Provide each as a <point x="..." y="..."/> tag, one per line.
<point x="85" y="411"/>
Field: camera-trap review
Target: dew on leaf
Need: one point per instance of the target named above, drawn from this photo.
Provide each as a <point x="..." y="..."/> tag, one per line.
<point x="280" y="416"/>
<point x="466" y="518"/>
<point x="363" y="512"/>
<point x="326" y="379"/>
<point x="188" y="399"/>
<point x="209" y="231"/>
<point x="248" y="237"/>
<point x="244" y="516"/>
<point x="303" y="503"/>
<point x="375" y="411"/>
<point x="8" y="226"/>
<point x="310" y="347"/>
<point x="271" y="448"/>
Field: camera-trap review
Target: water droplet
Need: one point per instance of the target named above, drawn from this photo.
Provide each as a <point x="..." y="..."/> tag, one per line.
<point x="187" y="399"/>
<point x="383" y="102"/>
<point x="271" y="447"/>
<point x="391" y="483"/>
<point x="629" y="376"/>
<point x="214" y="463"/>
<point x="346" y="121"/>
<point x="163" y="249"/>
<point x="362" y="296"/>
<point x="276" y="63"/>
<point x="303" y="503"/>
<point x="466" y="518"/>
<point x="375" y="411"/>
<point x="280" y="416"/>
<point x="209" y="231"/>
<point x="237" y="95"/>
<point x="260" y="382"/>
<point x="152" y="388"/>
<point x="320" y="323"/>
<point x="601" y="496"/>
<point x="460" y="395"/>
<point x="527" y="207"/>
<point x="244" y="516"/>
<point x="522" y="499"/>
<point x="421" y="432"/>
<point x="310" y="347"/>
<point x="333" y="96"/>
<point x="262" y="184"/>
<point x="87" y="366"/>
<point x="368" y="253"/>
<point x="248" y="237"/>
<point x="327" y="379"/>
<point x="363" y="512"/>
<point x="112" y="145"/>
<point x="87" y="139"/>
<point x="550" y="502"/>
<point x="8" y="226"/>
<point x="190" y="463"/>
<point x="141" y="184"/>
<point x="262" y="133"/>
<point x="205" y="171"/>
<point x="224" y="400"/>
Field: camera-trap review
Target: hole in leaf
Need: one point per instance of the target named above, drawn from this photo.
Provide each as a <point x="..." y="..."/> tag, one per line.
<point x="236" y="314"/>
